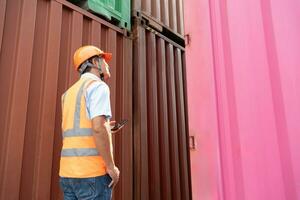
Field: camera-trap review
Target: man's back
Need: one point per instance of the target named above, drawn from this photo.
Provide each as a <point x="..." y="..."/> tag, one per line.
<point x="79" y="156"/>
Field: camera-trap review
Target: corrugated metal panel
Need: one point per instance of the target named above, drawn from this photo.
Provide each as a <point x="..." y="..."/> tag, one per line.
<point x="166" y="12"/>
<point x="244" y="90"/>
<point x="161" y="159"/>
<point x="38" y="40"/>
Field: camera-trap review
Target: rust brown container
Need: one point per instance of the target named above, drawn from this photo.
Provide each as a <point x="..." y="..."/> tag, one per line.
<point x="37" y="42"/>
<point x="161" y="157"/>
<point x="168" y="13"/>
<point x="38" y="39"/>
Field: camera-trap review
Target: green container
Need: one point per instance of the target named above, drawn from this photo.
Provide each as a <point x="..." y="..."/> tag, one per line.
<point x="116" y="11"/>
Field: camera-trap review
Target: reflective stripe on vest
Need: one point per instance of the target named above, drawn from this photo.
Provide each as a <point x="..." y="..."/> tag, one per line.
<point x="80" y="152"/>
<point x="77" y="131"/>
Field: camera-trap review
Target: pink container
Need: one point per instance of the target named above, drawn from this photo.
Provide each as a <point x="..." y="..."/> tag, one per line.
<point x="243" y="82"/>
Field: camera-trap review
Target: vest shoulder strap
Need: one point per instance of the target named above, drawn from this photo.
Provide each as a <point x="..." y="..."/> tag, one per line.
<point x="88" y="84"/>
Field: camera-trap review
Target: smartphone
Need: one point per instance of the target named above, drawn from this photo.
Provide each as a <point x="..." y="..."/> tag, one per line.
<point x="119" y="124"/>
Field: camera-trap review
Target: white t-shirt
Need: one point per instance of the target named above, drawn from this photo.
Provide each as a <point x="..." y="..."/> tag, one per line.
<point x="97" y="97"/>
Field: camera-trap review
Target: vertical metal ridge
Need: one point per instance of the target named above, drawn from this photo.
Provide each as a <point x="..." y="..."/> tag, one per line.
<point x="86" y="30"/>
<point x="7" y="78"/>
<point x="34" y="110"/>
<point x="289" y="182"/>
<point x="11" y="162"/>
<point x="224" y="179"/>
<point x="180" y="17"/>
<point x="118" y="146"/>
<point x="182" y="133"/>
<point x="62" y="83"/>
<point x="112" y="48"/>
<point x="144" y="160"/>
<point x="172" y="122"/>
<point x="2" y="19"/>
<point x="165" y="12"/>
<point x="76" y="22"/>
<point x="147" y="6"/>
<point x="186" y="121"/>
<point x="140" y="116"/>
<point x="165" y="171"/>
<point x="155" y="4"/>
<point x="232" y="105"/>
<point x="45" y="120"/>
<point x="173" y="15"/>
<point x="104" y="38"/>
<point x="153" y="149"/>
<point x="127" y="136"/>
<point x="96" y="33"/>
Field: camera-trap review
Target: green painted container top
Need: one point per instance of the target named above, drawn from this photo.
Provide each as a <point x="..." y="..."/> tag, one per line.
<point x="116" y="11"/>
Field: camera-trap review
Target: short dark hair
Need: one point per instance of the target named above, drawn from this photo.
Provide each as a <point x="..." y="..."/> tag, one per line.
<point x="88" y="69"/>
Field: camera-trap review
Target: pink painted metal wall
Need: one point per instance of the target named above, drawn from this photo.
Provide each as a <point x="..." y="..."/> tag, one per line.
<point x="243" y="71"/>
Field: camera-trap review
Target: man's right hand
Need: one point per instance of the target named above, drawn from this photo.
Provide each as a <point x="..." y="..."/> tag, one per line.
<point x="114" y="173"/>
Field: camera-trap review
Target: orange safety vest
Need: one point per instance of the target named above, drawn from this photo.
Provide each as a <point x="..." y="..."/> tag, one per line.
<point x="79" y="156"/>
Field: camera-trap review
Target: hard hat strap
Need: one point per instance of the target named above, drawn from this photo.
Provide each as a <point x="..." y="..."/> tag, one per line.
<point x="84" y="65"/>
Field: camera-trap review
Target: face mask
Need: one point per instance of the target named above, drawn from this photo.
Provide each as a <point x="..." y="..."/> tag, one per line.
<point x="103" y="65"/>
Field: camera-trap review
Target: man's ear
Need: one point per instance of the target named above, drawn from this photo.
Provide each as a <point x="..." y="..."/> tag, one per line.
<point x="93" y="61"/>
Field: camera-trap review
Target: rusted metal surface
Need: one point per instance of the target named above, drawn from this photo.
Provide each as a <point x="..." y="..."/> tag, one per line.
<point x="161" y="159"/>
<point x="38" y="39"/>
<point x="166" y="12"/>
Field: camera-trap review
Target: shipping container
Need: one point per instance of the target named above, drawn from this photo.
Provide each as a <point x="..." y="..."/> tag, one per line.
<point x="116" y="11"/>
<point x="161" y="158"/>
<point x="38" y="39"/>
<point x="167" y="13"/>
<point x="243" y="88"/>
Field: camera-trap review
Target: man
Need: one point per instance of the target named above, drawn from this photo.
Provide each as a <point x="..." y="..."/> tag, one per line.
<point x="87" y="168"/>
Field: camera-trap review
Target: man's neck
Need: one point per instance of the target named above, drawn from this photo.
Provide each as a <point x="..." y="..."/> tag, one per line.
<point x="95" y="73"/>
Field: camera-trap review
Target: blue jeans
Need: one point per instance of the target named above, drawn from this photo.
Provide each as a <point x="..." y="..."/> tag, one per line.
<point x="95" y="188"/>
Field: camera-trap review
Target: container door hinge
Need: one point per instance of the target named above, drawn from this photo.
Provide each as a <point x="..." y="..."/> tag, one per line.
<point x="187" y="39"/>
<point x="192" y="142"/>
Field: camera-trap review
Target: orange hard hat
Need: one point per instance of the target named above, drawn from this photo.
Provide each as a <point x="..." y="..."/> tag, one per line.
<point x="86" y="52"/>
